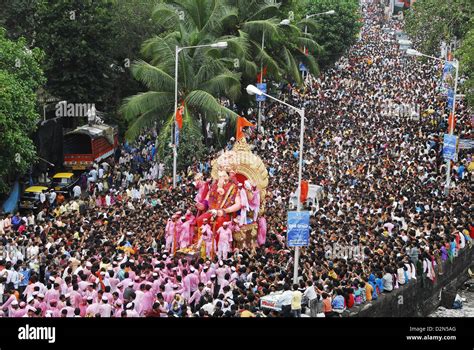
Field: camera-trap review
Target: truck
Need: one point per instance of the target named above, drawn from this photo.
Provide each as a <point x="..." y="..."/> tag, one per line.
<point x="88" y="144"/>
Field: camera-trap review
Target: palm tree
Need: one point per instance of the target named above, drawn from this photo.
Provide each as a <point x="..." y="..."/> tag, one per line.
<point x="283" y="48"/>
<point x="205" y="74"/>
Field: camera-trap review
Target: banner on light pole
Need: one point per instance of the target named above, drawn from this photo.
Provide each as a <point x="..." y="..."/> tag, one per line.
<point x="262" y="87"/>
<point x="450" y="147"/>
<point x="298" y="229"/>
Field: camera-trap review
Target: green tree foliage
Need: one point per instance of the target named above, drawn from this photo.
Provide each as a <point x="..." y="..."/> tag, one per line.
<point x="89" y="45"/>
<point x="466" y="57"/>
<point x="334" y="33"/>
<point x="19" y="17"/>
<point x="20" y="77"/>
<point x="430" y="22"/>
<point x="76" y="36"/>
<point x="190" y="148"/>
<point x="204" y="73"/>
<point x="283" y="45"/>
<point x="207" y="74"/>
<point x="131" y="25"/>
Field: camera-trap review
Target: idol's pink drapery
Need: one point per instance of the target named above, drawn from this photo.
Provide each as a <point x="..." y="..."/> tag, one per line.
<point x="262" y="231"/>
<point x="203" y="188"/>
<point x="244" y="206"/>
<point x="254" y="203"/>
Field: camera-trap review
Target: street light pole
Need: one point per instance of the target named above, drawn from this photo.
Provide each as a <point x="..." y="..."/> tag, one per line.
<point x="218" y="45"/>
<point x="252" y="90"/>
<point x="331" y="12"/>
<point x="173" y="125"/>
<point x="300" y="177"/>
<point x="259" y="120"/>
<point x="455" y="62"/>
<point x="451" y="128"/>
<point x="284" y="22"/>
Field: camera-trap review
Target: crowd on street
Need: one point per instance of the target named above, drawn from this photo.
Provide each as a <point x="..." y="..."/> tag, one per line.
<point x="383" y="223"/>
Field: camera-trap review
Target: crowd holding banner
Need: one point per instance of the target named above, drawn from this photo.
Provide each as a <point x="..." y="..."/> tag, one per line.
<point x="104" y="252"/>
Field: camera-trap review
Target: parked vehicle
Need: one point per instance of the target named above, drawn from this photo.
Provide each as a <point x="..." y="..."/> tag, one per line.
<point x="30" y="199"/>
<point x="64" y="182"/>
<point x="88" y="144"/>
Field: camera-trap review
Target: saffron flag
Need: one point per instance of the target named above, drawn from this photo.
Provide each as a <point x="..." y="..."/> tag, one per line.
<point x="451" y="122"/>
<point x="241" y="123"/>
<point x="304" y="191"/>
<point x="179" y="116"/>
<point x="261" y="74"/>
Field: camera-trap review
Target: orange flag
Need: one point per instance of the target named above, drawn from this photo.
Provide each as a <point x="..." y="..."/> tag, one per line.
<point x="451" y="120"/>
<point x="304" y="191"/>
<point x="179" y="116"/>
<point x="261" y="74"/>
<point x="241" y="123"/>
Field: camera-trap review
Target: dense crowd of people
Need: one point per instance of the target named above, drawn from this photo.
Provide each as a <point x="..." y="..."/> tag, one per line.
<point x="383" y="223"/>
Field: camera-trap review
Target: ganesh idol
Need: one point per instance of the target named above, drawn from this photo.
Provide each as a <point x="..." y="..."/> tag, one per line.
<point x="221" y="202"/>
<point x="232" y="200"/>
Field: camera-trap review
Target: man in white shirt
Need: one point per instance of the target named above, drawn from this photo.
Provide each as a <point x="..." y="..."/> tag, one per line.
<point x="105" y="309"/>
<point x="285" y="300"/>
<point x="1" y="225"/>
<point x="92" y="176"/>
<point x="42" y="197"/>
<point x="52" y="198"/>
<point x="13" y="277"/>
<point x="76" y="191"/>
<point x="311" y="296"/>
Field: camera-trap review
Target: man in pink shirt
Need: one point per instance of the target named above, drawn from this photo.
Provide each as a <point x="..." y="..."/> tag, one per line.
<point x="185" y="238"/>
<point x="147" y="300"/>
<point x="111" y="280"/>
<point x="53" y="308"/>
<point x="75" y="296"/>
<point x="127" y="281"/>
<point x="234" y="276"/>
<point x="169" y="232"/>
<point x="20" y="312"/>
<point x="117" y="308"/>
<point x="186" y="285"/>
<point x="204" y="276"/>
<point x="192" y="219"/>
<point x="194" y="279"/>
<point x="206" y="238"/>
<point x="90" y="292"/>
<point x="68" y="309"/>
<point x="168" y="296"/>
<point x="220" y="272"/>
<point x="137" y="284"/>
<point x="225" y="241"/>
<point x="12" y="308"/>
<point x="10" y="300"/>
<point x="196" y="297"/>
<point x="92" y="308"/>
<point x="52" y="293"/>
<point x="157" y="281"/>
<point x="83" y="285"/>
<point x="87" y="270"/>
<point x="41" y="303"/>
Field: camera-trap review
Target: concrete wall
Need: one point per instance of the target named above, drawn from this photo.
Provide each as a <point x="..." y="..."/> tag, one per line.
<point x="418" y="298"/>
